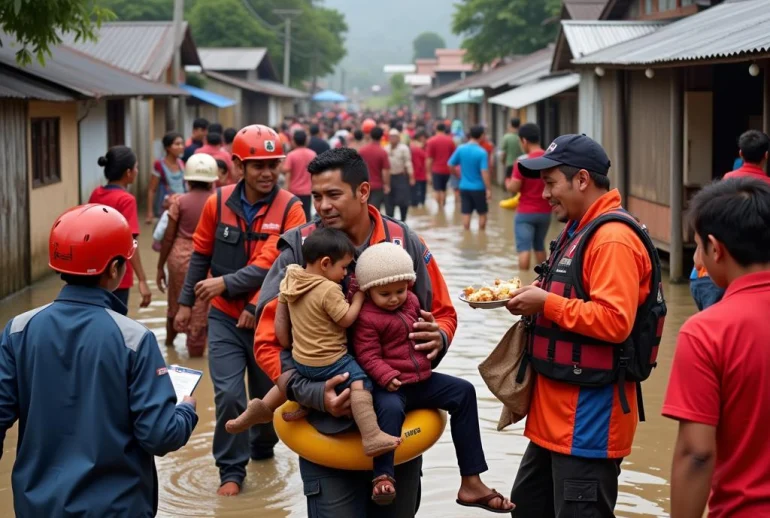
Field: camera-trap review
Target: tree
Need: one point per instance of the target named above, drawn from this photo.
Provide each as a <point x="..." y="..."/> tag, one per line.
<point x="227" y="23"/>
<point x="35" y="23"/>
<point x="151" y="10"/>
<point x="399" y="91"/>
<point x="499" y="28"/>
<point x="425" y="45"/>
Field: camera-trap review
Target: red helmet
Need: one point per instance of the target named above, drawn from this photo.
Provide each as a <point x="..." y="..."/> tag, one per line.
<point x="368" y="125"/>
<point x="85" y="239"/>
<point x="257" y="142"/>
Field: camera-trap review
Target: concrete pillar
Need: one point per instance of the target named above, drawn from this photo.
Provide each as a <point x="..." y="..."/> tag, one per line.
<point x="676" y="250"/>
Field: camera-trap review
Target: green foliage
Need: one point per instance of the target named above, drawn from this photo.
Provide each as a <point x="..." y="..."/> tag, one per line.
<point x="227" y="23"/>
<point x="399" y="91"/>
<point x="134" y="10"/>
<point x="35" y="23"/>
<point x="425" y="45"/>
<point x="499" y="28"/>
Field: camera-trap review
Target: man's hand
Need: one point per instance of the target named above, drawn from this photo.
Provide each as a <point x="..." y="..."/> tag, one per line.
<point x="247" y="320"/>
<point x="160" y="280"/>
<point x="428" y="334"/>
<point x="182" y="319"/>
<point x="146" y="294"/>
<point x="337" y="405"/>
<point x="527" y="301"/>
<point x="393" y="385"/>
<point x="386" y="189"/>
<point x="190" y="401"/>
<point x="412" y="181"/>
<point x="489" y="194"/>
<point x="207" y="289"/>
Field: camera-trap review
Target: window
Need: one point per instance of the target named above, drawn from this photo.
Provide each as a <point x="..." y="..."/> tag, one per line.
<point x="650" y="6"/>
<point x="667" y="5"/>
<point x="46" y="156"/>
<point x="685" y="3"/>
<point x="116" y="123"/>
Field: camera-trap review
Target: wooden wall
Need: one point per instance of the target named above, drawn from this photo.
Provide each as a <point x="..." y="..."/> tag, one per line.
<point x="610" y="120"/>
<point x="14" y="198"/>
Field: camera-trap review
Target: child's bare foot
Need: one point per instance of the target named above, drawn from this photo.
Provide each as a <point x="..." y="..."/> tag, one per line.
<point x="229" y="489"/>
<point x="257" y="412"/>
<point x="383" y="490"/>
<point x="474" y="493"/>
<point x="295" y="415"/>
<point x="379" y="444"/>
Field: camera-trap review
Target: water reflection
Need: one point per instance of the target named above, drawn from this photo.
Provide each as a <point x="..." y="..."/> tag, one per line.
<point x="188" y="478"/>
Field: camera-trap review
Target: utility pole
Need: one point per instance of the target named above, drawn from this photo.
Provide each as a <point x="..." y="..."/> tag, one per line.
<point x="314" y="72"/>
<point x="287" y="14"/>
<point x="178" y="26"/>
<point x="342" y="81"/>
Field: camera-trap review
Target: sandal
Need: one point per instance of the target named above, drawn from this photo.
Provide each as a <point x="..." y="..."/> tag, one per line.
<point x="383" y="498"/>
<point x="483" y="503"/>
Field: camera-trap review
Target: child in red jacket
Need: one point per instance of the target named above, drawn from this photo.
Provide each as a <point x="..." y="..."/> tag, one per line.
<point x="386" y="351"/>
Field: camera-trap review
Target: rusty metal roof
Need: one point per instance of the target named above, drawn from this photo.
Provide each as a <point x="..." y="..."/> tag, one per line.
<point x="729" y="29"/>
<point x="15" y="85"/>
<point x="259" y="86"/>
<point x="142" y="48"/>
<point x="83" y="74"/>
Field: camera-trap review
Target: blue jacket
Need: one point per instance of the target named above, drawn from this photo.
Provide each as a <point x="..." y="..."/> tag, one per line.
<point x="94" y="401"/>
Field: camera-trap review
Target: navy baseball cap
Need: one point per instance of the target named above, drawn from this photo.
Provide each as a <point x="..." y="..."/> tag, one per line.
<point x="572" y="150"/>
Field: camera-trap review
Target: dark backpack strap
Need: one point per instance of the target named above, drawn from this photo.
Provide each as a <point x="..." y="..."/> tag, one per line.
<point x="622" y="390"/>
<point x="219" y="206"/>
<point x="640" y="401"/>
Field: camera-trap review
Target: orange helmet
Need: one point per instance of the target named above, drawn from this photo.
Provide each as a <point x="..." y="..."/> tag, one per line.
<point x="257" y="142"/>
<point x="368" y="125"/>
<point x="85" y="239"/>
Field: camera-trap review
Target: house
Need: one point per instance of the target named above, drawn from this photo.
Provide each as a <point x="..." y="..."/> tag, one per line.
<point x="673" y="102"/>
<point x="55" y="120"/>
<point x="145" y="49"/>
<point x="247" y="75"/>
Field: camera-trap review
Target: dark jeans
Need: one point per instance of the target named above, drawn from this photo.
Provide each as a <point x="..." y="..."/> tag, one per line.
<point x="552" y="485"/>
<point x="705" y="292"/>
<point x="335" y="493"/>
<point x="231" y="354"/>
<point x="377" y="198"/>
<point x="455" y="395"/>
<point x="122" y="294"/>
<point x="419" y="190"/>
<point x="399" y="196"/>
<point x="307" y="202"/>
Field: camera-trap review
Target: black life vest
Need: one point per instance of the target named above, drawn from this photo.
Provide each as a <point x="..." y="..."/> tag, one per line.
<point x="582" y="360"/>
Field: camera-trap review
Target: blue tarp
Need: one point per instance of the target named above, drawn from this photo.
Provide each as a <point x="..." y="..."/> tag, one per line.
<point x="220" y="101"/>
<point x="329" y="96"/>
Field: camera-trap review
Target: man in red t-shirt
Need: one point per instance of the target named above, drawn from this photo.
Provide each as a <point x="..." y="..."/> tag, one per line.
<point x="378" y="163"/>
<point x="295" y="170"/>
<point x="719" y="389"/>
<point x="417" y="148"/>
<point x="754" y="146"/>
<point x="213" y="147"/>
<point x="438" y="150"/>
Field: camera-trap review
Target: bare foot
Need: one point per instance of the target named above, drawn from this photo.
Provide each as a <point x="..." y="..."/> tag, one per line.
<point x="380" y="444"/>
<point x="257" y="412"/>
<point x="473" y="489"/>
<point x="229" y="489"/>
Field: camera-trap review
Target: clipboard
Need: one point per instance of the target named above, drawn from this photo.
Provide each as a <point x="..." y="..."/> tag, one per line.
<point x="184" y="380"/>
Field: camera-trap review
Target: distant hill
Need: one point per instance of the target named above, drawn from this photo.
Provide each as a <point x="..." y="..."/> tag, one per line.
<point x="381" y="32"/>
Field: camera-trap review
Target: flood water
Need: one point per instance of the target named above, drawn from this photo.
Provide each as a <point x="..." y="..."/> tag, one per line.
<point x="273" y="489"/>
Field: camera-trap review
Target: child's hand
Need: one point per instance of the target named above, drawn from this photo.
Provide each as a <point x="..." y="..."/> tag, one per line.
<point x="359" y="297"/>
<point x="393" y="385"/>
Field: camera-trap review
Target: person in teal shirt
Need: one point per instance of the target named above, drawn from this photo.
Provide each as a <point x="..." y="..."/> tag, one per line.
<point x="474" y="185"/>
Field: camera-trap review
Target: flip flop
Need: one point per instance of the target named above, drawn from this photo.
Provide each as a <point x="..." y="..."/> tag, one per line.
<point x="483" y="503"/>
<point x="383" y="498"/>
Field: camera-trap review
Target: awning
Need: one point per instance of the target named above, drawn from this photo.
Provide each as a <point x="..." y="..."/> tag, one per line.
<point x="329" y="96"/>
<point x="220" y="101"/>
<point x="467" y="96"/>
<point x="531" y="93"/>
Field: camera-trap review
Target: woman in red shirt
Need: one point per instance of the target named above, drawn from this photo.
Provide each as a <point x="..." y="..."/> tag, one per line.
<point x="120" y="169"/>
<point x="419" y="157"/>
<point x="533" y="216"/>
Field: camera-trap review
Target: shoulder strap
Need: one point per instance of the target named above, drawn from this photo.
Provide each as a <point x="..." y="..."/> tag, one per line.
<point x="394" y="232"/>
<point x="307" y="229"/>
<point x="275" y="217"/>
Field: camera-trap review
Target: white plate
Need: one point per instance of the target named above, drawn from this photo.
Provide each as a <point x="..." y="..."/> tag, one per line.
<point x="485" y="305"/>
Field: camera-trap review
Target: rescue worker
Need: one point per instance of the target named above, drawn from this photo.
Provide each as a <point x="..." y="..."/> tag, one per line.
<point x="341" y="193"/>
<point x="235" y="241"/>
<point x="594" y="305"/>
<point x="87" y="384"/>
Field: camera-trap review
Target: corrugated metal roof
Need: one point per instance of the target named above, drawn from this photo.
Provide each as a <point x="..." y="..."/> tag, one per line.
<point x="247" y="58"/>
<point x="85" y="75"/>
<point x="449" y="88"/>
<point x="531" y="93"/>
<point x="422" y="91"/>
<point x="584" y="9"/>
<point x="586" y="37"/>
<point x="260" y="86"/>
<point x="142" y="48"/>
<point x="15" y="85"/>
<point x="728" y="29"/>
<point x="467" y="96"/>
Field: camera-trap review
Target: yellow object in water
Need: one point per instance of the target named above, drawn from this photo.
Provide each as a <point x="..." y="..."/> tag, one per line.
<point x="422" y="428"/>
<point x="510" y="203"/>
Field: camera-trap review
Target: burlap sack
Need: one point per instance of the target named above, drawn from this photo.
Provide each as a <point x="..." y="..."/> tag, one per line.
<point x="499" y="372"/>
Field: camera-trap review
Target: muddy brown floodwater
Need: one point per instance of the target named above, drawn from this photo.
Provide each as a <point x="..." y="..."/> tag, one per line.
<point x="273" y="489"/>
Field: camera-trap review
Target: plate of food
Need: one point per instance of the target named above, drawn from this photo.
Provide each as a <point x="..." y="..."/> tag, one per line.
<point x="491" y="296"/>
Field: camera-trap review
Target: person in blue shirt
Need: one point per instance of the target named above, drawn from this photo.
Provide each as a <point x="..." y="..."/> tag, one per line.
<point x="475" y="191"/>
<point x="88" y="385"/>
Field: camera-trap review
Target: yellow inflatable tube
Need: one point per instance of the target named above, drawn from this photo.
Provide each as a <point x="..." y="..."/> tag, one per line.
<point x="421" y="430"/>
<point x="510" y="203"/>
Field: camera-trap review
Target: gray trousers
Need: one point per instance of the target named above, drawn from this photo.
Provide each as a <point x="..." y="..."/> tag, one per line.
<point x="334" y="493"/>
<point x="377" y="198"/>
<point x="231" y="353"/>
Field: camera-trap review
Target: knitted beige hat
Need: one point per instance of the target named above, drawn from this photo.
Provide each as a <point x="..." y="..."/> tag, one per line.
<point x="382" y="264"/>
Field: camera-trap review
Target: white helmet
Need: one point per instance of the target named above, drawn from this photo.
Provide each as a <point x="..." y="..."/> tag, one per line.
<point x="201" y="167"/>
